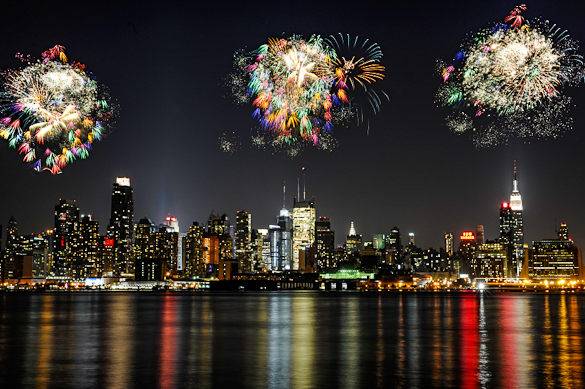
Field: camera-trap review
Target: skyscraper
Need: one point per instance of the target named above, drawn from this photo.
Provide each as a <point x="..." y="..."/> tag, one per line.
<point x="449" y="244"/>
<point x="353" y="242"/>
<point x="262" y="246"/>
<point x="394" y="246"/>
<point x="121" y="225"/>
<point x="12" y="249"/>
<point x="193" y="251"/>
<point x="285" y="223"/>
<point x="86" y="262"/>
<point x="325" y="241"/>
<point x="64" y="242"/>
<point x="517" y="232"/>
<point x="275" y="237"/>
<point x="512" y="229"/>
<point x="304" y="216"/>
<point x="244" y="241"/>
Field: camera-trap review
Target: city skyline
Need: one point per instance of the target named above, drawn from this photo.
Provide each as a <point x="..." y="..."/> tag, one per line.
<point x="410" y="168"/>
<point x="512" y="204"/>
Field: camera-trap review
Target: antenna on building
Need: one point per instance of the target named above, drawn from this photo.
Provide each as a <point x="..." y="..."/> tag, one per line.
<point x="298" y="189"/>
<point x="515" y="182"/>
<point x="283" y="194"/>
<point x="304" y="184"/>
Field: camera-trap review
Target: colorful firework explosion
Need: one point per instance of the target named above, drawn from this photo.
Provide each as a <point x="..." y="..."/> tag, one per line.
<point x="52" y="111"/>
<point x="299" y="88"/>
<point x="507" y="82"/>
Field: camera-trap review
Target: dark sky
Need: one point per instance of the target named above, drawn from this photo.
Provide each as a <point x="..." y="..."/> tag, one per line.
<point x="165" y="61"/>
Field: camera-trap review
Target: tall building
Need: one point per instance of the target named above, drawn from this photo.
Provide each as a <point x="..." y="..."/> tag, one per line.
<point x="12" y="249"/>
<point x="449" y="244"/>
<point x="325" y="242"/>
<point x="275" y="238"/>
<point x="211" y="255"/>
<point x="41" y="254"/>
<point x="285" y="223"/>
<point x="353" y="242"/>
<point x="167" y="246"/>
<point x="193" y="251"/>
<point x="394" y="246"/>
<point x="64" y="241"/>
<point x="144" y="245"/>
<point x="172" y="226"/>
<point x="86" y="257"/>
<point x="304" y="216"/>
<point x="465" y="262"/>
<point x="517" y="230"/>
<point x="244" y="241"/>
<point x="121" y="225"/>
<point x="155" y="244"/>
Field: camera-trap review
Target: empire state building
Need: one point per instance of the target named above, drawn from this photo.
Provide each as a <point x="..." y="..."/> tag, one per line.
<point x="516" y="227"/>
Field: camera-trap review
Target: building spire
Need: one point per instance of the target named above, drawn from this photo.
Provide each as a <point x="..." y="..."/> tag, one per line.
<point x="283" y="194"/>
<point x="515" y="197"/>
<point x="352" y="231"/>
<point x="304" y="184"/>
<point x="515" y="181"/>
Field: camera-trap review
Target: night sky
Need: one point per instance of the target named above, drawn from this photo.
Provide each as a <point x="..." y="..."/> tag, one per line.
<point x="165" y="63"/>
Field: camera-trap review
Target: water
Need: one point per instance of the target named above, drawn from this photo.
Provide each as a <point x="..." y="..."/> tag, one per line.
<point x="296" y="339"/>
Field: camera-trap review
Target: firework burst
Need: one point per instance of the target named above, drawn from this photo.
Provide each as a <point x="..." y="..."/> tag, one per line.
<point x="508" y="81"/>
<point x="299" y="88"/>
<point x="52" y="111"/>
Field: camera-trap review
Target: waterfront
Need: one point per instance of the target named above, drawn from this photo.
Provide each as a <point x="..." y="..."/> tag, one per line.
<point x="291" y="339"/>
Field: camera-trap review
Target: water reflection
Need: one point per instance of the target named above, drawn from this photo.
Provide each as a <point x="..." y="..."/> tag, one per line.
<point x="45" y="342"/>
<point x="303" y="341"/>
<point x="118" y="339"/>
<point x="292" y="340"/>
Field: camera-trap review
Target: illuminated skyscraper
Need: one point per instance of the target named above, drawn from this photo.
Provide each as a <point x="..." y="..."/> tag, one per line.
<point x="87" y="262"/>
<point x="262" y="246"/>
<point x="285" y="223"/>
<point x="304" y="216"/>
<point x="353" y="242"/>
<point x="12" y="249"/>
<point x="121" y="225"/>
<point x="449" y="244"/>
<point x="64" y="243"/>
<point x="512" y="229"/>
<point x="244" y="241"/>
<point x="144" y="247"/>
<point x="172" y="224"/>
<point x="394" y="246"/>
<point x="193" y="251"/>
<point x="517" y="231"/>
<point x="325" y="241"/>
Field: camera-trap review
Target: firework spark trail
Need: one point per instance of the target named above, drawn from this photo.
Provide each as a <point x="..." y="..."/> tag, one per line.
<point x="508" y="82"/>
<point x="52" y="111"/>
<point x="299" y="88"/>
